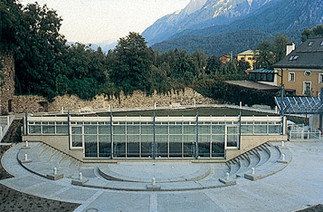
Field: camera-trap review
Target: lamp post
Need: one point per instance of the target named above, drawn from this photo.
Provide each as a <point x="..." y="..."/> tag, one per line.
<point x="282" y="112"/>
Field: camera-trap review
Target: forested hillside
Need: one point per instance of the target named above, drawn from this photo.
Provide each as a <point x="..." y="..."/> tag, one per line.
<point x="235" y="42"/>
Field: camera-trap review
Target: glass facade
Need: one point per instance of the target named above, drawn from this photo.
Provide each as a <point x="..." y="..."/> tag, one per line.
<point x="176" y="138"/>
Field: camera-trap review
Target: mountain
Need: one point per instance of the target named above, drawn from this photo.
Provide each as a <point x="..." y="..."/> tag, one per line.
<point x="200" y="14"/>
<point x="104" y="45"/>
<point x="218" y="44"/>
<point x="287" y="17"/>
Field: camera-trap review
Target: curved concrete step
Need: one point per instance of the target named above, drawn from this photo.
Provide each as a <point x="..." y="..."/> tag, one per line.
<point x="273" y="165"/>
<point x="119" y="175"/>
<point x="263" y="155"/>
<point x="42" y="159"/>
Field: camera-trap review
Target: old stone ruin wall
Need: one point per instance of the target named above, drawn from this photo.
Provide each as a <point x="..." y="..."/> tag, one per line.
<point x="7" y="84"/>
<point x="138" y="100"/>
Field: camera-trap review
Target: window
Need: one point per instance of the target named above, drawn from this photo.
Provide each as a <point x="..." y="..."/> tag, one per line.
<point x="307" y="88"/>
<point x="321" y="78"/>
<point x="307" y="73"/>
<point x="293" y="57"/>
<point x="291" y="77"/>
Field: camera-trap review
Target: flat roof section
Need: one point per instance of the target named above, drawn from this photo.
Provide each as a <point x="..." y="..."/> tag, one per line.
<point x="253" y="85"/>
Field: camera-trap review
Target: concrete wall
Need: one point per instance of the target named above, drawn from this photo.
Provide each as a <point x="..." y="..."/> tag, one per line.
<point x="249" y="142"/>
<point x="58" y="142"/>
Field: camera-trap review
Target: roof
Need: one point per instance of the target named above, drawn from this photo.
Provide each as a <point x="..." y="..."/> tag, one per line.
<point x="308" y="55"/>
<point x="299" y="105"/>
<point x="253" y="85"/>
<point x="249" y="52"/>
<point x="263" y="71"/>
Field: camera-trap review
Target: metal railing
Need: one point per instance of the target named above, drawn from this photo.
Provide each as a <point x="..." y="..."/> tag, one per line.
<point x="304" y="135"/>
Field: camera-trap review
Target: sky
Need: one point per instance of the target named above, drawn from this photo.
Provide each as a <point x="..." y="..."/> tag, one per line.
<point x="105" y="21"/>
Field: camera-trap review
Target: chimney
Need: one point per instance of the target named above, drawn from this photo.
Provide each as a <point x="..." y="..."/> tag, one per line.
<point x="289" y="48"/>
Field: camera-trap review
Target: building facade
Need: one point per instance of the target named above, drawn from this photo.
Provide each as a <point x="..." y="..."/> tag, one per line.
<point x="302" y="69"/>
<point x="248" y="56"/>
<point x="105" y="138"/>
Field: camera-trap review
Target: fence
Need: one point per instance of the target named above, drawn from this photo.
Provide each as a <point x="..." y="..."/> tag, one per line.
<point x="304" y="135"/>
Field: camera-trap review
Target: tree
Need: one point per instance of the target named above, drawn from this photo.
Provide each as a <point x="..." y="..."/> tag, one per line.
<point x="10" y="13"/>
<point x="278" y="47"/>
<point x="131" y="63"/>
<point x="39" y="51"/>
<point x="311" y="33"/>
<point x="271" y="52"/>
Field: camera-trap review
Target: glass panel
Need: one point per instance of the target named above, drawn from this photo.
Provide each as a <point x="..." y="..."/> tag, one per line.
<point x="204" y="145"/>
<point x="119" y="130"/>
<point x="189" y="129"/>
<point x="247" y="129"/>
<point x="104" y="129"/>
<point x="104" y="146"/>
<point x="232" y="140"/>
<point x="133" y="146"/>
<point x="34" y="129"/>
<point x="189" y="138"/>
<point x="204" y="149"/>
<point x="275" y="129"/>
<point x="260" y="129"/>
<point x="218" y="138"/>
<point x="175" y="138"/>
<point x="62" y="129"/>
<point x="147" y="129"/>
<point x="146" y="149"/>
<point x="76" y="140"/>
<point x="90" y="142"/>
<point x="161" y="130"/>
<point x="232" y="130"/>
<point x="90" y="130"/>
<point x="133" y="129"/>
<point x="175" y="149"/>
<point x="218" y="149"/>
<point x="76" y="130"/>
<point x="189" y="149"/>
<point x="49" y="129"/>
<point x="175" y="129"/>
<point x="119" y="149"/>
<point x="162" y="146"/>
<point x="218" y="129"/>
<point x="204" y="129"/>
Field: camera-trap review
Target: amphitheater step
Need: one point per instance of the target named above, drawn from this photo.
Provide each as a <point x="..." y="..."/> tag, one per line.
<point x="272" y="165"/>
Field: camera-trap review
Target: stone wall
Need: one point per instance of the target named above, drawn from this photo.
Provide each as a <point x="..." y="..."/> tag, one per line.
<point x="137" y="100"/>
<point x="7" y="87"/>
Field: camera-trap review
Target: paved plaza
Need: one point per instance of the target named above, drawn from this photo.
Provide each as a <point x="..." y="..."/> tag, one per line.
<point x="298" y="185"/>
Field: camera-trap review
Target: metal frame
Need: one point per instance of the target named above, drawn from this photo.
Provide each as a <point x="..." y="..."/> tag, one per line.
<point x="299" y="105"/>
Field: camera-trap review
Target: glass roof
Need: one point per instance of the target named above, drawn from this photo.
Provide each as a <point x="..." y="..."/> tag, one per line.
<point x="299" y="105"/>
